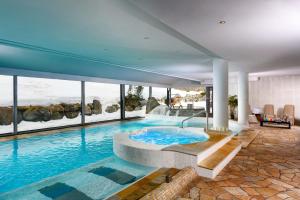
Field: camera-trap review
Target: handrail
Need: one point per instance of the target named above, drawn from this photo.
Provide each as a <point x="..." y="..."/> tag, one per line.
<point x="194" y="115"/>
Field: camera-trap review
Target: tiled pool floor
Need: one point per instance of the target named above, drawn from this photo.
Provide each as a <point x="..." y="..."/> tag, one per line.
<point x="96" y="181"/>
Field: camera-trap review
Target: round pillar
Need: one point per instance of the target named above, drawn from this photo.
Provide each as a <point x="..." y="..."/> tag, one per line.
<point x="220" y="94"/>
<point x="243" y="98"/>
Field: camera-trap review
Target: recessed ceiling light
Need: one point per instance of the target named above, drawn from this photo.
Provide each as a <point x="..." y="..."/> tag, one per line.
<point x="222" y="22"/>
<point x="146" y="38"/>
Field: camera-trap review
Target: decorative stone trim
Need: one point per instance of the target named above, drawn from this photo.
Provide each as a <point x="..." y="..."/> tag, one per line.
<point x="176" y="187"/>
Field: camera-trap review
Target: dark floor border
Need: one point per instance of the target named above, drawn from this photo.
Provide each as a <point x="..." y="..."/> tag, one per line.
<point x="69" y="126"/>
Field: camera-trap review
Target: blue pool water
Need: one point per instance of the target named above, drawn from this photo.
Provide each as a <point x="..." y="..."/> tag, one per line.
<point x="168" y="136"/>
<point x="29" y="160"/>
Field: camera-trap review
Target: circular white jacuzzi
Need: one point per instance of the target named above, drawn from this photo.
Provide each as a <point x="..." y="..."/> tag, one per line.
<point x="169" y="147"/>
<point x="148" y="146"/>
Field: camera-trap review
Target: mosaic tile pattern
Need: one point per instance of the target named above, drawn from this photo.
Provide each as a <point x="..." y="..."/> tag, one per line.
<point x="61" y="191"/>
<point x="115" y="175"/>
<point x="56" y="190"/>
<point x="269" y="168"/>
<point x="94" y="186"/>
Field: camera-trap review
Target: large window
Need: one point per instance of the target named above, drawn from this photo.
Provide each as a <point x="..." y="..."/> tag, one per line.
<point x="136" y="100"/>
<point x="44" y="103"/>
<point x="102" y="101"/>
<point x="48" y="103"/>
<point x="6" y="104"/>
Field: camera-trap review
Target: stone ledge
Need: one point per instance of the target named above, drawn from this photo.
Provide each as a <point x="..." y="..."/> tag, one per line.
<point x="175" y="188"/>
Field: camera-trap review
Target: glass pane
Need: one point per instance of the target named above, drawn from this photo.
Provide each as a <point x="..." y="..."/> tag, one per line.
<point x="6" y="103"/>
<point x="156" y="105"/>
<point x="160" y="94"/>
<point x="45" y="103"/>
<point x="188" y="99"/>
<point x="102" y="101"/>
<point x="136" y="100"/>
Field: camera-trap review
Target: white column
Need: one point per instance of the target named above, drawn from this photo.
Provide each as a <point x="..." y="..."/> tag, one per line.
<point x="243" y="98"/>
<point x="220" y="94"/>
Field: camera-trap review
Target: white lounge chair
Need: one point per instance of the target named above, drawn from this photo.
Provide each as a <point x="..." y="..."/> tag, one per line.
<point x="289" y="113"/>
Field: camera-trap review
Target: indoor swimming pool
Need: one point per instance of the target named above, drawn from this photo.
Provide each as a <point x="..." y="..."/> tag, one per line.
<point x="37" y="158"/>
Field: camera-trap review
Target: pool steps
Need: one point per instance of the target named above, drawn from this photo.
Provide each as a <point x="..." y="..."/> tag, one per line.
<point x="210" y="162"/>
<point x="211" y="166"/>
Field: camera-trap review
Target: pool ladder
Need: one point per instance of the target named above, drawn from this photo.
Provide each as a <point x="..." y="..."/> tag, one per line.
<point x="194" y="115"/>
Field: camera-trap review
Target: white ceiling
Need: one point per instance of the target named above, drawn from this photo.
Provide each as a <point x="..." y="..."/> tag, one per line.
<point x="258" y="35"/>
<point x="169" y="37"/>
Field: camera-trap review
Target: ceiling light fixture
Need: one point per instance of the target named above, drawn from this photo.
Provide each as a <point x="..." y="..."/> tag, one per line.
<point x="222" y="22"/>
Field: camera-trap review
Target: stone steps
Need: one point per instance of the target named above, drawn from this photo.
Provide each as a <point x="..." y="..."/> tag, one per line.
<point x="208" y="159"/>
<point x="211" y="166"/>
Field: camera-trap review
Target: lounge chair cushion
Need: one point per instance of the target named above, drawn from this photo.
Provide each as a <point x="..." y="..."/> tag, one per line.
<point x="269" y="111"/>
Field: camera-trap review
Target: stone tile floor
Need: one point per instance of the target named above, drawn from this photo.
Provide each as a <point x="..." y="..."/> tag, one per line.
<point x="269" y="168"/>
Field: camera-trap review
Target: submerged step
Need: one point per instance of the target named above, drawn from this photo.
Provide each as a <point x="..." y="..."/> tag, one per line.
<point x="213" y="164"/>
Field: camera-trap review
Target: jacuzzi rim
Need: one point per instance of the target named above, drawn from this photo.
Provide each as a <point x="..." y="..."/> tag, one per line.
<point x="191" y="129"/>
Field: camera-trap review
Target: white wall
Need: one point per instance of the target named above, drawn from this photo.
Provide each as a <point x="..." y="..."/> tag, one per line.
<point x="276" y="90"/>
